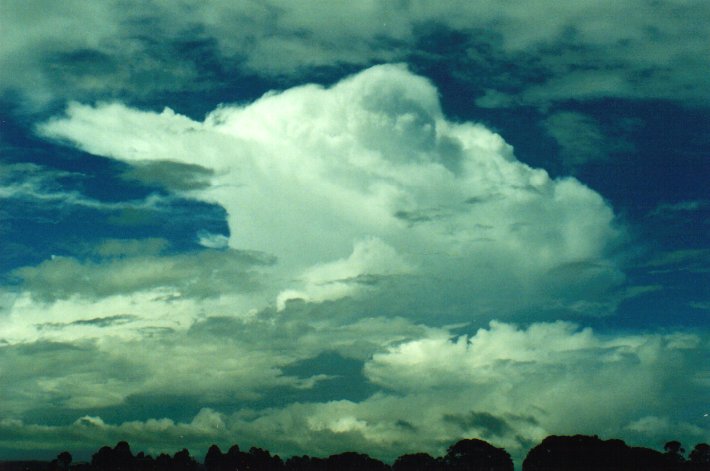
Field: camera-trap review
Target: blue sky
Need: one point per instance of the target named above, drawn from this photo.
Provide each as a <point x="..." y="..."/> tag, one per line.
<point x="376" y="226"/>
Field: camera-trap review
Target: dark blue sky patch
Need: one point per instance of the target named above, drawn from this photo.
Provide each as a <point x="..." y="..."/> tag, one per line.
<point x="346" y="377"/>
<point x="37" y="231"/>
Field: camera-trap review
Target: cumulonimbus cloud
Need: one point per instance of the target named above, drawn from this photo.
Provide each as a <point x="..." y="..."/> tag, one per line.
<point x="310" y="173"/>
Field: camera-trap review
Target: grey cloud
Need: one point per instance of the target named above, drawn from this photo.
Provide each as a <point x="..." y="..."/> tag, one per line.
<point x="581" y="139"/>
<point x="488" y="425"/>
<point x="171" y="175"/>
<point x="673" y="209"/>
<point x="63" y="375"/>
<point x="691" y="260"/>
<point x="96" y="321"/>
<point x="105" y="321"/>
<point x="201" y="274"/>
<point x="129" y="247"/>
<point x="406" y="425"/>
<point x="630" y="49"/>
<point x="414" y="217"/>
<point x="240" y="373"/>
<point x="578" y="136"/>
<point x="35" y="185"/>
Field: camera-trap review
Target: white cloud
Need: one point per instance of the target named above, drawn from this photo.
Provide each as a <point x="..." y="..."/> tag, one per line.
<point x="213" y="241"/>
<point x="370" y="260"/>
<point x="306" y="173"/>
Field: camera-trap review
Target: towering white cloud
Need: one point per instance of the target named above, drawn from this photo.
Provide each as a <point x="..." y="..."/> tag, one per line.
<point x="309" y="173"/>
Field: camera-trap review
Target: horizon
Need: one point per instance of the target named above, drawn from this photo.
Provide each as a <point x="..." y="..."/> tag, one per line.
<point x="372" y="227"/>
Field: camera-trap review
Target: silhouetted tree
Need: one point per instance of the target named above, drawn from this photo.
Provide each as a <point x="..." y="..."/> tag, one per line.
<point x="143" y="462"/>
<point x="214" y="459"/>
<point x="417" y="462"/>
<point x="233" y="459"/>
<point x="123" y="458"/>
<point x="699" y="458"/>
<point x="305" y="463"/>
<point x="260" y="459"/>
<point x="103" y="458"/>
<point x="118" y="458"/>
<point x="586" y="453"/>
<point x="351" y="461"/>
<point x="64" y="458"/>
<point x="674" y="451"/>
<point x="163" y="462"/>
<point x="182" y="461"/>
<point x="474" y="454"/>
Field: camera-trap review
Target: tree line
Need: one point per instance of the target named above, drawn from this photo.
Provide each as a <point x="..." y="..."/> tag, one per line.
<point x="554" y="453"/>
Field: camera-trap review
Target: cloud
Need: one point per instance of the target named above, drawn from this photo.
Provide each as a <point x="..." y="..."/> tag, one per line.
<point x="504" y="384"/>
<point x="89" y="433"/>
<point x="545" y="379"/>
<point x="511" y="384"/>
<point x="307" y="173"/>
<point x="202" y="274"/>
<point x="28" y="183"/>
<point x="689" y="260"/>
<point x="583" y="51"/>
<point x="233" y="351"/>
<point x="671" y="209"/>
<point x="370" y="261"/>
<point x="581" y="140"/>
<point x="213" y="241"/>
<point x="174" y="176"/>
<point x="363" y="224"/>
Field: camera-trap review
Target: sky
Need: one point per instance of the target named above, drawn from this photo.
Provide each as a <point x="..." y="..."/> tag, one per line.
<point x="317" y="227"/>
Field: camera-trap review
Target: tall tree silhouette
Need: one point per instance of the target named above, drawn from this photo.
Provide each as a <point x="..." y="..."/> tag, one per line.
<point x="182" y="461"/>
<point x="118" y="458"/>
<point x="214" y="459"/>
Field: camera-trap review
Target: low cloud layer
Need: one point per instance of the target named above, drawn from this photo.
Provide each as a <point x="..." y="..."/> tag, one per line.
<point x="509" y="385"/>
